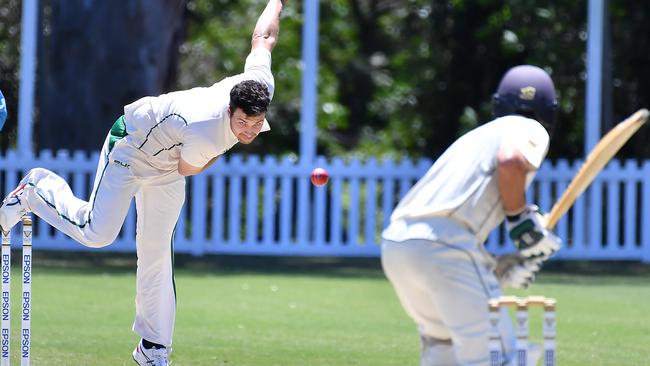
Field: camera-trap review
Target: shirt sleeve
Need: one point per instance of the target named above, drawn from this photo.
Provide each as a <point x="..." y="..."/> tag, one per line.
<point x="196" y="150"/>
<point x="258" y="67"/>
<point x="530" y="139"/>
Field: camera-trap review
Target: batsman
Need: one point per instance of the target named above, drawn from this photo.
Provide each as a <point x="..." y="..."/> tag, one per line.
<point x="148" y="152"/>
<point x="432" y="249"/>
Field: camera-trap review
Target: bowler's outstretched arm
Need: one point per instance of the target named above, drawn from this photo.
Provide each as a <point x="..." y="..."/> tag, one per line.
<point x="268" y="26"/>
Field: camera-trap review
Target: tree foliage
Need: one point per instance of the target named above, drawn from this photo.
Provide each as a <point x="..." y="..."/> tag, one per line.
<point x="396" y="78"/>
<point x="95" y="57"/>
<point x="426" y="70"/>
<point x="218" y="41"/>
<point x="404" y="78"/>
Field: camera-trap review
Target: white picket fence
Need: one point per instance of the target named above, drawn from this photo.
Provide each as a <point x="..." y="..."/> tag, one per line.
<point x="267" y="206"/>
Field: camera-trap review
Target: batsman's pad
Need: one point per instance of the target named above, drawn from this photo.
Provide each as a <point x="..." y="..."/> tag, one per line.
<point x="515" y="271"/>
<point x="531" y="236"/>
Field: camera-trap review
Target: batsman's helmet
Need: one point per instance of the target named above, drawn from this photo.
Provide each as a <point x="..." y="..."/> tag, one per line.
<point x="529" y="91"/>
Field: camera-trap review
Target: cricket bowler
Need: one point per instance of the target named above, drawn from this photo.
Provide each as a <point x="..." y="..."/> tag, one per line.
<point x="149" y="151"/>
<point x="432" y="250"/>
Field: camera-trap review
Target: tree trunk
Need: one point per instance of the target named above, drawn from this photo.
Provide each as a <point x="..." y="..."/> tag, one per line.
<point x="95" y="57"/>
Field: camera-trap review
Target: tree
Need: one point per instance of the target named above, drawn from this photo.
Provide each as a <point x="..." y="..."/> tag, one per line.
<point x="630" y="72"/>
<point x="98" y="56"/>
<point x="218" y="41"/>
<point x="397" y="77"/>
<point x="431" y="67"/>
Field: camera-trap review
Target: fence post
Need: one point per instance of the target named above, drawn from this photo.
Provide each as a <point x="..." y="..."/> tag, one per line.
<point x="319" y="211"/>
<point x="630" y="223"/>
<point x="337" y="175"/>
<point x="645" y="213"/>
<point x="371" y="212"/>
<point x="234" y="213"/>
<point x="270" y="167"/>
<point x="612" y="204"/>
<point x="286" y="204"/>
<point x="251" y="215"/>
<point x="388" y="192"/>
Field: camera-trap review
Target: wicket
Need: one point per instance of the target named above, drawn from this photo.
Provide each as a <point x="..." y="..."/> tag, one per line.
<point x="522" y="305"/>
<point x="26" y="308"/>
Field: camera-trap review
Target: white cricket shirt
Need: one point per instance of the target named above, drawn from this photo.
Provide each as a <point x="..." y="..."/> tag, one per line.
<point x="462" y="184"/>
<point x="192" y="124"/>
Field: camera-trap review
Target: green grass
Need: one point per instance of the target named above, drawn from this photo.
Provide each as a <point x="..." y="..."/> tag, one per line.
<point x="312" y="314"/>
<point x="602" y="320"/>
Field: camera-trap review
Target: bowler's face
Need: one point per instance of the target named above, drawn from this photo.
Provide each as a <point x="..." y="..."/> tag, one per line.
<point x="245" y="127"/>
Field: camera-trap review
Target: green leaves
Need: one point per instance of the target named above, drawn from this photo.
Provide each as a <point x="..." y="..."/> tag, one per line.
<point x="406" y="78"/>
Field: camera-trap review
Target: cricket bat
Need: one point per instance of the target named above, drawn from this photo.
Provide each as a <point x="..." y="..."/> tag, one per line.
<point x="601" y="154"/>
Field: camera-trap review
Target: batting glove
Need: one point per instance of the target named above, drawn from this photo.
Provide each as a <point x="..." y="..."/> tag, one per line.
<point x="515" y="271"/>
<point x="530" y="236"/>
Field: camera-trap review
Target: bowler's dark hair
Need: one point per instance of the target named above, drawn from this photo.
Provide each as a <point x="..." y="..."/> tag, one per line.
<point x="251" y="96"/>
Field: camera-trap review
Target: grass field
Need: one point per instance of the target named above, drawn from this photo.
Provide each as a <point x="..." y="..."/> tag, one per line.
<point x="270" y="312"/>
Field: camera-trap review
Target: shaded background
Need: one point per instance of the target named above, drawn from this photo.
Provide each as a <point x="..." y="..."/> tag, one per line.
<point x="397" y="77"/>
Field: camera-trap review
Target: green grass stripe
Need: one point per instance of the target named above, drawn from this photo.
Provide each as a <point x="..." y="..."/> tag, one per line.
<point x="312" y="315"/>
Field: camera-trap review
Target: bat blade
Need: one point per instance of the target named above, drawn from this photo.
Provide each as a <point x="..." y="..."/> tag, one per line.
<point x="599" y="156"/>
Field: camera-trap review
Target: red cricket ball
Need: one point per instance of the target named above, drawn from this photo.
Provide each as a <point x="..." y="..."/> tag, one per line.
<point x="319" y="177"/>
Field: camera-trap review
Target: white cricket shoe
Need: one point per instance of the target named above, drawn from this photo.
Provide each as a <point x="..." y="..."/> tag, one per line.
<point x="12" y="208"/>
<point x="150" y="357"/>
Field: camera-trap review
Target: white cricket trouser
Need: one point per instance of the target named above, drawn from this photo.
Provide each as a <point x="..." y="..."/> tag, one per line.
<point x="122" y="173"/>
<point x="444" y="288"/>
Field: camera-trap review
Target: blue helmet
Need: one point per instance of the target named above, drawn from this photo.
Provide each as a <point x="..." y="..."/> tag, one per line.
<point x="529" y="91"/>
